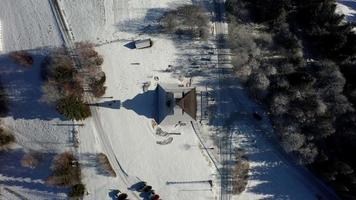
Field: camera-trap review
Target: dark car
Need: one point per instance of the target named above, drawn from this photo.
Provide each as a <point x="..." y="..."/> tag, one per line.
<point x="122" y="196"/>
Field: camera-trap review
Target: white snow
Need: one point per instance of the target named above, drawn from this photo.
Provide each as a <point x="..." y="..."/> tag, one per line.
<point x="29" y="25"/>
<point x="347" y="8"/>
<point x="124" y="130"/>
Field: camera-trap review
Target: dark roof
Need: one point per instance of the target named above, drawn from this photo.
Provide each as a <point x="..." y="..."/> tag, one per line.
<point x="189" y="103"/>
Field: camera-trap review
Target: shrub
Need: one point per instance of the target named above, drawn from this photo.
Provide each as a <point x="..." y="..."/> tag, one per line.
<point x="6" y="138"/>
<point x="258" y="82"/>
<point x="63" y="74"/>
<point x="50" y="93"/>
<point x="73" y="108"/>
<point x="30" y="160"/>
<point x="187" y="19"/>
<point x="66" y="170"/>
<point x="77" y="190"/>
<point x="97" y="86"/>
<point x="105" y="164"/>
<point x="240" y="172"/>
<point x="22" y="57"/>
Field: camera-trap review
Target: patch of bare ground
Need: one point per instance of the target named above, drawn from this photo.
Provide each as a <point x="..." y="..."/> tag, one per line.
<point x="240" y="172"/>
<point x="105" y="164"/>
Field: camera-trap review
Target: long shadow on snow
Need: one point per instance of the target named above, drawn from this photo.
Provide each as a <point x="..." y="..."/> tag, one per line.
<point x="33" y="179"/>
<point x="23" y="87"/>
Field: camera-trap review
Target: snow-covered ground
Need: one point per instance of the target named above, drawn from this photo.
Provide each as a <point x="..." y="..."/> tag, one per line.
<point x="348" y="8"/>
<point x="121" y="126"/>
<point x="29" y="25"/>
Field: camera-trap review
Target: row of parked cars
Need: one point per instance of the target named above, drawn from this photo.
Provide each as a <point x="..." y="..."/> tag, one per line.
<point x="146" y="191"/>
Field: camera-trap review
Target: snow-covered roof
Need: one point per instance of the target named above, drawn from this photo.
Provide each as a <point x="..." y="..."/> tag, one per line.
<point x="140" y="44"/>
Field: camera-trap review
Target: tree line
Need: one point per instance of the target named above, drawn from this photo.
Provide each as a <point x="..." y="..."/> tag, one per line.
<point x="300" y="61"/>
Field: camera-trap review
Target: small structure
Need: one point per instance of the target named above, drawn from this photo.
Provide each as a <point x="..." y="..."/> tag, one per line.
<point x="141" y="44"/>
<point x="175" y="104"/>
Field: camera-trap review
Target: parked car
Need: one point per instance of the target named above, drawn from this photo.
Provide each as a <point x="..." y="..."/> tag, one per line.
<point x="155" y="197"/>
<point x="122" y="196"/>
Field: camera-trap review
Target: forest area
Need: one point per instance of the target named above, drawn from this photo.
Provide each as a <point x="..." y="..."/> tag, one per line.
<point x="298" y="57"/>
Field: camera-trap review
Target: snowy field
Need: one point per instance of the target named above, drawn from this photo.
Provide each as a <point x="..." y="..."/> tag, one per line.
<point x="121" y="126"/>
<point x="124" y="130"/>
<point x="29" y="25"/>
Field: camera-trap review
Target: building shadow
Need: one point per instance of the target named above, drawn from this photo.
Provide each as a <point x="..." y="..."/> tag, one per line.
<point x="130" y="45"/>
<point x="143" y="104"/>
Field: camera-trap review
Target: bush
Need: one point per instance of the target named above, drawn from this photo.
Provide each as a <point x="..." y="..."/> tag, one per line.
<point x="6" y="138"/>
<point x="50" y="93"/>
<point x="22" y="57"/>
<point x="97" y="86"/>
<point x="66" y="170"/>
<point x="258" y="83"/>
<point x="30" y="160"/>
<point x="77" y="190"/>
<point x="105" y="164"/>
<point x="240" y="173"/>
<point x="73" y="108"/>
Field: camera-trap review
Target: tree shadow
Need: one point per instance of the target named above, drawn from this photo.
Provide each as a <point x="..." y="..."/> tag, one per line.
<point x="14" y="174"/>
<point x="23" y="87"/>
